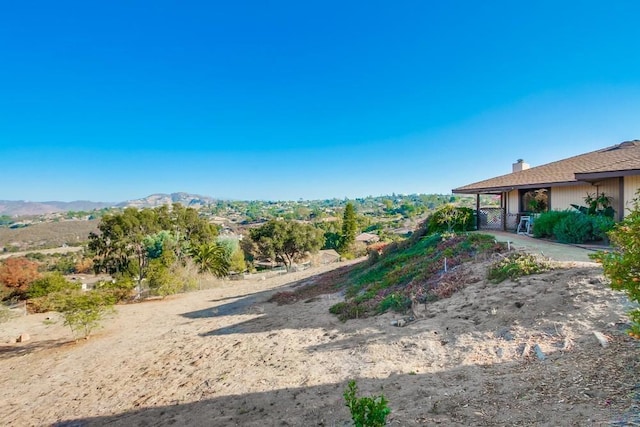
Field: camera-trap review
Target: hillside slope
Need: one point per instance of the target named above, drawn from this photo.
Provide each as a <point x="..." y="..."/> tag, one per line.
<point x="227" y="357"/>
<point x="424" y="268"/>
<point x="48" y="235"/>
<point x="27" y="208"/>
<point x="159" y="199"/>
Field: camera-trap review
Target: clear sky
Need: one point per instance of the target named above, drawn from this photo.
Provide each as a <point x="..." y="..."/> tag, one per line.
<point x="282" y="100"/>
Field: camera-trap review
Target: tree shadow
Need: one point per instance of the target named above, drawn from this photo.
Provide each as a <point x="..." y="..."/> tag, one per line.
<point x="317" y="405"/>
<point x="22" y="349"/>
<point x="509" y="392"/>
<point x="238" y="305"/>
<point x="454" y="397"/>
<point x="223" y="299"/>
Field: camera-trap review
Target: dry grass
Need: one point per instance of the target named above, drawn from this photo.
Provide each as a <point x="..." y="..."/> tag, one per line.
<point x="47" y="235"/>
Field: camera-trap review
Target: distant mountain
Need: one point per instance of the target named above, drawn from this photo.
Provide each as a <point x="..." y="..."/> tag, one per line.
<point x="185" y="199"/>
<point x="23" y="207"/>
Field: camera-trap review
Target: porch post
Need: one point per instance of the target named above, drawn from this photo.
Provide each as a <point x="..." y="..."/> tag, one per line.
<point x="621" y="204"/>
<point x="478" y="211"/>
<point x="503" y="208"/>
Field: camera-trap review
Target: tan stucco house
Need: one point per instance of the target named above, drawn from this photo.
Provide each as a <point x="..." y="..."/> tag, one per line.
<point x="613" y="171"/>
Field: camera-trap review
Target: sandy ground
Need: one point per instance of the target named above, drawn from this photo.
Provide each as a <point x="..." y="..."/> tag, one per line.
<point x="512" y="354"/>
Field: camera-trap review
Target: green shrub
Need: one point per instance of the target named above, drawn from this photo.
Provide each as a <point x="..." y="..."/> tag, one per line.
<point x="160" y="280"/>
<point x="543" y="225"/>
<point x="574" y="228"/>
<point x="366" y="411"/>
<point x="348" y="310"/>
<point x="64" y="263"/>
<point x="40" y="305"/>
<point x="35" y="256"/>
<point x="171" y="280"/>
<point x="83" y="311"/>
<point x="337" y="308"/>
<point x="516" y="265"/>
<point x="602" y="225"/>
<point x="450" y="218"/>
<point x="597" y="205"/>
<point x="119" y="290"/>
<point x="395" y="302"/>
<point x="52" y="282"/>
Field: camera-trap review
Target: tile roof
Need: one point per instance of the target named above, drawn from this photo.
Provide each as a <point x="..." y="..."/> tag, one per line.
<point x="617" y="160"/>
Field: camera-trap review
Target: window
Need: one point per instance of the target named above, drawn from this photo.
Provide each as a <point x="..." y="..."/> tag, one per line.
<point x="535" y="201"/>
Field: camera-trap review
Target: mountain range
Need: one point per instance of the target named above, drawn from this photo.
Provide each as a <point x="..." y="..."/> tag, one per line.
<point x="24" y="208"/>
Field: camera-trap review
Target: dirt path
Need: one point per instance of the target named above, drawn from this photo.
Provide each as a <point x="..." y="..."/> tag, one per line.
<point x="226" y="357"/>
<point x="62" y="250"/>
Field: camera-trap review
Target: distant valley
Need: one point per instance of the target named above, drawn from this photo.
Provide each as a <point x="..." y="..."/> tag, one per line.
<point x="27" y="208"/>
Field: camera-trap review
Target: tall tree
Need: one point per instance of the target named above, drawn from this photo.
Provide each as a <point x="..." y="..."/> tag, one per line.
<point x="120" y="246"/>
<point x="188" y="223"/>
<point x="233" y="253"/>
<point x="287" y="241"/>
<point x="127" y="241"/>
<point x="349" y="227"/>
<point x="142" y="224"/>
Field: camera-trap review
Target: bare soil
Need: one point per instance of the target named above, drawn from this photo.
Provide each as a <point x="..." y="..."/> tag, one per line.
<point x="517" y="353"/>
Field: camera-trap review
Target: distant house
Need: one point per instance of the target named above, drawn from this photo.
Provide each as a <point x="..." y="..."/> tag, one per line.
<point x="367" y="238"/>
<point x="327" y="256"/>
<point x="613" y="172"/>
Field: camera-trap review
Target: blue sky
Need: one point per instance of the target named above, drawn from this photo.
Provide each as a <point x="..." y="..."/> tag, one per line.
<point x="280" y="100"/>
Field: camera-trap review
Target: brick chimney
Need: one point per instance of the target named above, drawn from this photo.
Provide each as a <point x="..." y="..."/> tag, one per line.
<point x="520" y="165"/>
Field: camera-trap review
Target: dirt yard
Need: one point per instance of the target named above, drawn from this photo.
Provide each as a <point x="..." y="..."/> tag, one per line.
<point x="513" y="354"/>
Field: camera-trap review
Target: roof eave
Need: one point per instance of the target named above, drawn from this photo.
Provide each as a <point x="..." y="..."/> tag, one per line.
<point x="592" y="176"/>
<point x="488" y="190"/>
<point x="506" y="189"/>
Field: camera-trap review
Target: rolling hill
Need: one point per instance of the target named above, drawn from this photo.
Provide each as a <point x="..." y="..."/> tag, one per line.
<point x="27" y="208"/>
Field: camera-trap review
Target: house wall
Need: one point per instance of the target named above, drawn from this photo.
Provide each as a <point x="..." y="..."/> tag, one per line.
<point x="513" y="203"/>
<point x="631" y="185"/>
<point x="563" y="197"/>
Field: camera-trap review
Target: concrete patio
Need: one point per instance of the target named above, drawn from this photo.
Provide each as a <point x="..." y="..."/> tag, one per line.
<point x="553" y="250"/>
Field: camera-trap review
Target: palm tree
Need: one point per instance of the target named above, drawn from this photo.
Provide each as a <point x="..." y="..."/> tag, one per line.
<point x="211" y="258"/>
